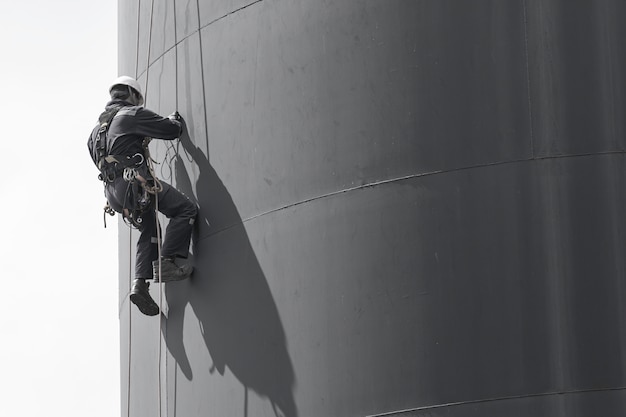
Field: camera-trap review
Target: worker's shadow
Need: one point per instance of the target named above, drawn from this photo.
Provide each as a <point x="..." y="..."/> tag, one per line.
<point x="229" y="295"/>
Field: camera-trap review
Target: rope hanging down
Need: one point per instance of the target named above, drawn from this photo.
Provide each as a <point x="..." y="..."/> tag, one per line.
<point x="157" y="187"/>
<point x="154" y="188"/>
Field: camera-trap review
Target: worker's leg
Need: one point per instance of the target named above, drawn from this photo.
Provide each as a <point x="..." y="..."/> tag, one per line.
<point x="117" y="194"/>
<point x="147" y="245"/>
<point x="147" y="251"/>
<point x="182" y="213"/>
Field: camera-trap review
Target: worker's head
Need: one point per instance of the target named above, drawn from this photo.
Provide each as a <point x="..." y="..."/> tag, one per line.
<point x="128" y="89"/>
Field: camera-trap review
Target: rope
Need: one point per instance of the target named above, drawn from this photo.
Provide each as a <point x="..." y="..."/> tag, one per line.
<point x="145" y="96"/>
<point x="130" y="328"/>
<point x="159" y="186"/>
<point x="158" y="227"/>
<point x="175" y="56"/>
<point x="130" y="315"/>
<point x="137" y="46"/>
<point x="155" y="189"/>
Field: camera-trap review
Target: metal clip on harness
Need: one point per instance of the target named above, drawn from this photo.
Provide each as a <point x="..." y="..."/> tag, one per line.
<point x="107" y="210"/>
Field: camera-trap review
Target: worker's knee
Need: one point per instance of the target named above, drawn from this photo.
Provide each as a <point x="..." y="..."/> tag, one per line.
<point x="191" y="210"/>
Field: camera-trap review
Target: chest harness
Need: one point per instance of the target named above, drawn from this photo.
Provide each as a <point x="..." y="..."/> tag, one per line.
<point x="137" y="198"/>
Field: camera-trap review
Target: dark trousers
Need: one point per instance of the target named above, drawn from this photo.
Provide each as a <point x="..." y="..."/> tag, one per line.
<point x="180" y="211"/>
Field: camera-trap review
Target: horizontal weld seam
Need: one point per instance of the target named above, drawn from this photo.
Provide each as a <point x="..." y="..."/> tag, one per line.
<point x="487" y="400"/>
<point x="181" y="40"/>
<point x="408" y="177"/>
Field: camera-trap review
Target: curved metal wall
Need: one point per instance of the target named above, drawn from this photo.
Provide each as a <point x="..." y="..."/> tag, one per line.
<point x="404" y="206"/>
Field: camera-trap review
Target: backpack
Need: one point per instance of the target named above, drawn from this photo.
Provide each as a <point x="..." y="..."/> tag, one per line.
<point x="97" y="145"/>
<point x="110" y="166"/>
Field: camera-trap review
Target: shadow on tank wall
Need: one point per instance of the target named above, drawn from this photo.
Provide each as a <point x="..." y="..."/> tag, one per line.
<point x="229" y="295"/>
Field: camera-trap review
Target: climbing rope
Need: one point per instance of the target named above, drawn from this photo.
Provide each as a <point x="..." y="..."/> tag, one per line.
<point x="130" y="316"/>
<point x="175" y="55"/>
<point x="159" y="245"/>
<point x="155" y="189"/>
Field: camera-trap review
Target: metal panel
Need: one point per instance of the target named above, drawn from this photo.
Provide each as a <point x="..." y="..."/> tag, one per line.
<point x="434" y="290"/>
<point x="187" y="20"/>
<point x="162" y="35"/>
<point x="161" y="91"/>
<point x="403" y="206"/>
<point x="127" y="36"/>
<point x="323" y="81"/>
<point x="577" y="62"/>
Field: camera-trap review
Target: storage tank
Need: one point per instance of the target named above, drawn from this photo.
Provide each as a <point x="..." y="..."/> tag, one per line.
<point x="407" y="208"/>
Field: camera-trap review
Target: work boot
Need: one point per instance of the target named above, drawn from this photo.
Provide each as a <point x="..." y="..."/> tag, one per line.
<point x="170" y="271"/>
<point x="140" y="296"/>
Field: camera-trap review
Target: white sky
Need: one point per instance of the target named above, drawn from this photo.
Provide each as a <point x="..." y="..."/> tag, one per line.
<point x="59" y="327"/>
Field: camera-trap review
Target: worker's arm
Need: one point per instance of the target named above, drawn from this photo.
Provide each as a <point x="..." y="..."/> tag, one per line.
<point x="147" y="123"/>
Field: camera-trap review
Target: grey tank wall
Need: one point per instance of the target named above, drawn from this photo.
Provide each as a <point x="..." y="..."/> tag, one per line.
<point x="404" y="205"/>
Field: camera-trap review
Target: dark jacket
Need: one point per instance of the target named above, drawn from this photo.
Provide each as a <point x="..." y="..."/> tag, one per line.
<point x="125" y="138"/>
<point x="131" y="125"/>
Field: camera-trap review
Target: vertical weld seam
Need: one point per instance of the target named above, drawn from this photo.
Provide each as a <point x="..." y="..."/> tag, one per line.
<point x="145" y="96"/>
<point x="130" y="334"/>
<point x="528" y="90"/>
<point x="137" y="43"/>
<point x="206" y="122"/>
<point x="175" y="388"/>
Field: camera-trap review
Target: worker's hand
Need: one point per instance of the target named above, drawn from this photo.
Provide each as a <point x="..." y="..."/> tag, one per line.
<point x="175" y="116"/>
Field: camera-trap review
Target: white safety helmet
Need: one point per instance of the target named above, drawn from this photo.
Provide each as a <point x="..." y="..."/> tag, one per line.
<point x="129" y="81"/>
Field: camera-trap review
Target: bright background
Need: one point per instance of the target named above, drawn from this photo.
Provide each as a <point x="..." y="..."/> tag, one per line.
<point x="59" y="326"/>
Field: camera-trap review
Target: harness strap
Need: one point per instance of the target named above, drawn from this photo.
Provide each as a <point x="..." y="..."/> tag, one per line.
<point x="99" y="145"/>
<point x="112" y="166"/>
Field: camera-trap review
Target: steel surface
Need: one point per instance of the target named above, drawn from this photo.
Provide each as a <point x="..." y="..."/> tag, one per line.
<point x="406" y="208"/>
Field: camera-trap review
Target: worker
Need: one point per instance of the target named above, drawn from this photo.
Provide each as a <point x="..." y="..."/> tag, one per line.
<point x="118" y="147"/>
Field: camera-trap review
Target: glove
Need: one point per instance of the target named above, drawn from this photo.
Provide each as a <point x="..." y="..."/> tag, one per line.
<point x="175" y="116"/>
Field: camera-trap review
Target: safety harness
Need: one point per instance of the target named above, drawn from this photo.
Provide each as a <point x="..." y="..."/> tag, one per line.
<point x="110" y="166"/>
<point x="137" y="197"/>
